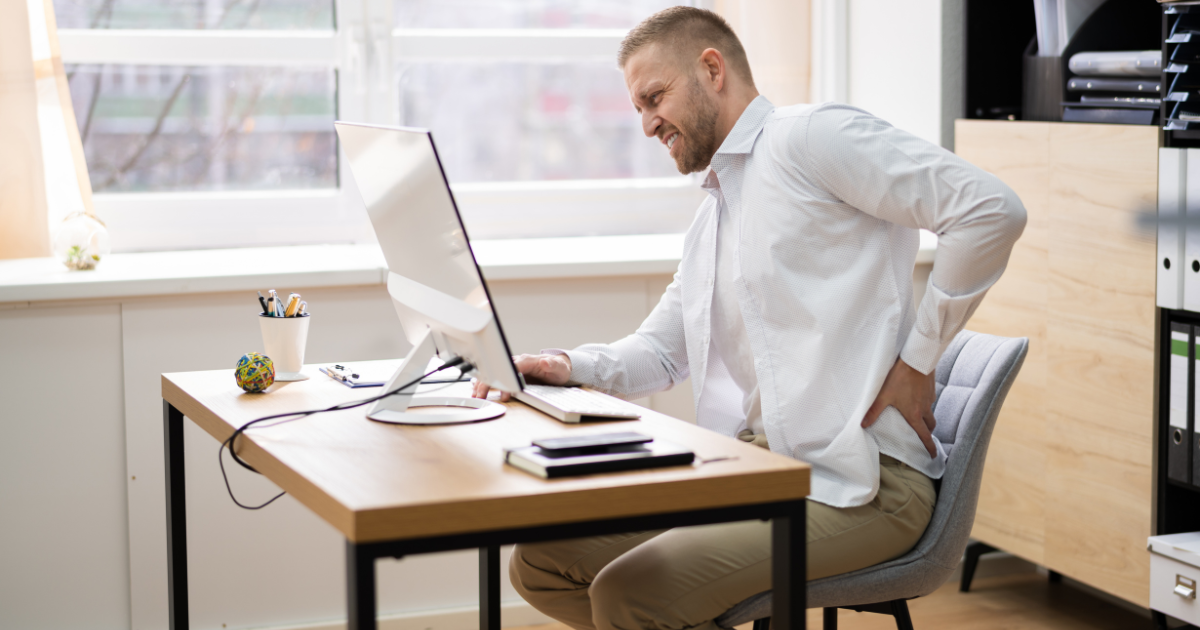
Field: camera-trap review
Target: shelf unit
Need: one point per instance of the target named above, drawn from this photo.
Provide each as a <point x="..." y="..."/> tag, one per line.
<point x="1181" y="74"/>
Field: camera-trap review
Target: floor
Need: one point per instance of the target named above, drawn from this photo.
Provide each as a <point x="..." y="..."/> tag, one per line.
<point x="1025" y="601"/>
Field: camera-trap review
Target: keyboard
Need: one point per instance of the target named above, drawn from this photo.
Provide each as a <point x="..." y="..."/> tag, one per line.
<point x="572" y="404"/>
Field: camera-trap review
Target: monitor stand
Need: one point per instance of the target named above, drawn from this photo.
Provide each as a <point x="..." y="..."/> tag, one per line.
<point x="393" y="409"/>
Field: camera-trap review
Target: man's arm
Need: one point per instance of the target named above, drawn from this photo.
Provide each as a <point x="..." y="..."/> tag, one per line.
<point x="650" y="360"/>
<point x="898" y="177"/>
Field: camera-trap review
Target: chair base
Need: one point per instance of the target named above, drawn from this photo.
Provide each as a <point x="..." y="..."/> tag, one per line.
<point x="970" y="561"/>
<point x="897" y="608"/>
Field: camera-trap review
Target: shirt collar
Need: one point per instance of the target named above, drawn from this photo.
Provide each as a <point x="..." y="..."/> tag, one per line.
<point x="741" y="138"/>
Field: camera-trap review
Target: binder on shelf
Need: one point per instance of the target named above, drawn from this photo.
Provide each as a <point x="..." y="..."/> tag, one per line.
<point x="1191" y="439"/>
<point x="1179" y="442"/>
<point x="1191" y="233"/>
<point x="1172" y="180"/>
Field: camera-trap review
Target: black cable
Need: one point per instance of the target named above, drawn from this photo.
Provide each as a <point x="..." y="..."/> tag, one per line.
<point x="229" y="443"/>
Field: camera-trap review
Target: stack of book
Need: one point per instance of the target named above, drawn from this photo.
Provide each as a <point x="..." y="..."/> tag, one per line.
<point x="591" y="453"/>
<point x="1123" y="87"/>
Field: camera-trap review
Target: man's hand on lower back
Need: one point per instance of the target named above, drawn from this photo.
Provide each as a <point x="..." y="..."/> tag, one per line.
<point x="550" y="369"/>
<point x="913" y="395"/>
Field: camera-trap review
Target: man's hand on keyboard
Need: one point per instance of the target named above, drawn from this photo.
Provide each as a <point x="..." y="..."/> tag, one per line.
<point x="548" y="369"/>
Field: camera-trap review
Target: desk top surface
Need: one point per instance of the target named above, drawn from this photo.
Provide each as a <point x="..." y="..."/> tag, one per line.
<point x="375" y="481"/>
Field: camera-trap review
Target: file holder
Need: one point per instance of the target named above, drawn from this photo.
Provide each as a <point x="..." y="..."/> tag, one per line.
<point x="1042" y="89"/>
<point x="1117" y="25"/>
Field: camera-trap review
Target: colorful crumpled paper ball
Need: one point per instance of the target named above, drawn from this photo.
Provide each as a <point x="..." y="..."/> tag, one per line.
<point x="255" y="372"/>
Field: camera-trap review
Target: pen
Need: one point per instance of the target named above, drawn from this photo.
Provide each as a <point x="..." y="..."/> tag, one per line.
<point x="272" y="304"/>
<point x="263" y="301"/>
<point x="292" y="304"/>
<point x="300" y="311"/>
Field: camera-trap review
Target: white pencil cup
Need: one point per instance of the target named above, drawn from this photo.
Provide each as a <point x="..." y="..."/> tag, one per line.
<point x="284" y="339"/>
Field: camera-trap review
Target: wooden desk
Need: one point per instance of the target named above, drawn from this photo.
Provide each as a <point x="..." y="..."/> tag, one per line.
<point x="399" y="490"/>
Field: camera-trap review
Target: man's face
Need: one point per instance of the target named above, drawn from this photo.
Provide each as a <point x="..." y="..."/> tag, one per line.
<point x="675" y="106"/>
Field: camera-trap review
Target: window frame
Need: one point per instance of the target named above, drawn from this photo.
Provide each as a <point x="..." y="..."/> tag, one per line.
<point x="363" y="50"/>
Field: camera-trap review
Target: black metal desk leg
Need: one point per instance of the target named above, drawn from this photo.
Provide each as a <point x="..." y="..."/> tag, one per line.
<point x="177" y="586"/>
<point x="789" y="571"/>
<point x="489" y="588"/>
<point x="360" y="587"/>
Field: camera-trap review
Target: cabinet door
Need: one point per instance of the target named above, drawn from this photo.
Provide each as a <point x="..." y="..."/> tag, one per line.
<point x="1100" y="333"/>
<point x="1012" y="501"/>
<point x="1068" y="477"/>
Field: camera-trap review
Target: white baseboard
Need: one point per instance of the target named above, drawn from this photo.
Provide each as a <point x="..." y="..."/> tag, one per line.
<point x="464" y="618"/>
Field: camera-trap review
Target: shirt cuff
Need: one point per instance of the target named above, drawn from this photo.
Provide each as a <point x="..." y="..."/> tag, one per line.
<point x="920" y="352"/>
<point x="583" y="368"/>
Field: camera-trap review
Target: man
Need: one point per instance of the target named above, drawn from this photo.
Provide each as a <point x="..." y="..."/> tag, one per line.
<point x="792" y="312"/>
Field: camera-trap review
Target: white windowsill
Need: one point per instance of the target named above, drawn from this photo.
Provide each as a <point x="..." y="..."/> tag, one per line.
<point x="254" y="269"/>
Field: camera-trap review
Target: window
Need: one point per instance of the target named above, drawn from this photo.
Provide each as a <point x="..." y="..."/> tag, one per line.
<point x="210" y="124"/>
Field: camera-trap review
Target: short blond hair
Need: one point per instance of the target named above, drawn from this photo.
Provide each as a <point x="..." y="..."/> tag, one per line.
<point x="687" y="31"/>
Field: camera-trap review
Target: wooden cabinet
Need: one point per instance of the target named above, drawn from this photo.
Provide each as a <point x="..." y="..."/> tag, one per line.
<point x="1068" y="478"/>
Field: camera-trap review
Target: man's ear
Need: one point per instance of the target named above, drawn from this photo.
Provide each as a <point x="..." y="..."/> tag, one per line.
<point x="712" y="65"/>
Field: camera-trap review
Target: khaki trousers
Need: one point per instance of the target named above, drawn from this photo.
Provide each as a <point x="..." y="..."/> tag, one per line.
<point x="688" y="576"/>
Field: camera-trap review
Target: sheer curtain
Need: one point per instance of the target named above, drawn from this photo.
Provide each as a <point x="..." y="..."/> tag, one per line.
<point x="43" y="176"/>
<point x="777" y="35"/>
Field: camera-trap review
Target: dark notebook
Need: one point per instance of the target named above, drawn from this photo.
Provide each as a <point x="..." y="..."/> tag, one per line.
<point x="1112" y="116"/>
<point x="550" y="464"/>
<point x="1092" y="84"/>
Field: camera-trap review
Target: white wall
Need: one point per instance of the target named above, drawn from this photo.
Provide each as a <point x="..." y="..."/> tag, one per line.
<point x="64" y="561"/>
<point x="903" y="63"/>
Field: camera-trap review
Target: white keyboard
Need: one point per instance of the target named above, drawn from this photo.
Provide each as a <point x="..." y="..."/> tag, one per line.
<point x="572" y="404"/>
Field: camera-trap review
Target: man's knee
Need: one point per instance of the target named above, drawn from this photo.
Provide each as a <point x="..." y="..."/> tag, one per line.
<point x="626" y="596"/>
<point x="524" y="567"/>
<point x="611" y="605"/>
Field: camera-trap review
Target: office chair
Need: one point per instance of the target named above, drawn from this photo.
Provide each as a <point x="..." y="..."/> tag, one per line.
<point x="973" y="377"/>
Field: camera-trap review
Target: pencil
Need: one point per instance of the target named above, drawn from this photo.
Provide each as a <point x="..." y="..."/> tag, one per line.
<point x="292" y="304"/>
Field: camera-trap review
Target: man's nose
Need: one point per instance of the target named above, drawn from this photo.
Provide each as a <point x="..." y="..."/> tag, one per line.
<point x="650" y="124"/>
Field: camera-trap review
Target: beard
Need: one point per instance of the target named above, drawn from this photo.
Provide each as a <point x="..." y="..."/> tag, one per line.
<point x="698" y="130"/>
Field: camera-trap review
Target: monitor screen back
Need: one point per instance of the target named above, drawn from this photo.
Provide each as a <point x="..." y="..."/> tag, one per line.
<point x="422" y="237"/>
<point x="414" y="217"/>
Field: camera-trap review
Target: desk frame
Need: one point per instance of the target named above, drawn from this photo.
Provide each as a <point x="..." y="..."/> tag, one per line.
<point x="787" y="542"/>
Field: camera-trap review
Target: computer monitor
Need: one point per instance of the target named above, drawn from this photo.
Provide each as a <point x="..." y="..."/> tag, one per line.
<point x="433" y="279"/>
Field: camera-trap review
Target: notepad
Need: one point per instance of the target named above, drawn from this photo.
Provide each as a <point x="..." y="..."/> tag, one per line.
<point x="356" y="375"/>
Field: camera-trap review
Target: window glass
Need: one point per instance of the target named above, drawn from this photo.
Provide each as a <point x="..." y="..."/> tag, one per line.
<point x="526" y="13"/>
<point x="530" y="121"/>
<point x="174" y="128"/>
<point x="206" y="14"/>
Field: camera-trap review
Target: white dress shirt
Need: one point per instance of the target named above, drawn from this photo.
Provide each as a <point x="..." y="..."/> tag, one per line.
<point x="820" y="206"/>
<point x="730" y="397"/>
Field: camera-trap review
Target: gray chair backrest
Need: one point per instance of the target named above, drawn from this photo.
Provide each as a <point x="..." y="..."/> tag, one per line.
<point x="973" y="378"/>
